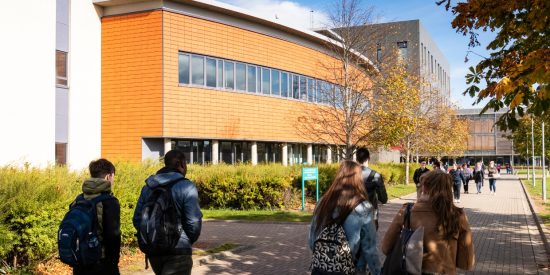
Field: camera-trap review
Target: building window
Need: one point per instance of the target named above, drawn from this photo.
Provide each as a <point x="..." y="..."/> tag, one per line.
<point x="310" y="90"/>
<point x="275" y="82"/>
<point x="197" y="71"/>
<point x="229" y="71"/>
<point x="240" y="76"/>
<point x="184" y="68"/>
<point x="295" y="86"/>
<point x="61" y="153"/>
<point x="378" y="52"/>
<point x="251" y="77"/>
<point x="220" y="74"/>
<point x="211" y="72"/>
<point x="403" y="51"/>
<point x="265" y="81"/>
<point x="284" y="84"/>
<point x="61" y="68"/>
<point x="303" y="88"/>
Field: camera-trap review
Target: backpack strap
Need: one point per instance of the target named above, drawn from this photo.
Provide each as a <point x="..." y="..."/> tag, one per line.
<point x="407" y="219"/>
<point x="371" y="176"/>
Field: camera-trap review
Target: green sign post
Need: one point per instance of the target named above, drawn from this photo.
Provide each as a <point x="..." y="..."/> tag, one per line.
<point x="310" y="173"/>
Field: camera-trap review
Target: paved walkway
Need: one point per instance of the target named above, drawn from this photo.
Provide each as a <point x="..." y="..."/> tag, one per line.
<point x="505" y="235"/>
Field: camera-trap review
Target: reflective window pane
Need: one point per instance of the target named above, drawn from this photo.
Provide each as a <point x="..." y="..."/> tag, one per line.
<point x="220" y="73"/>
<point x="265" y="81"/>
<point x="310" y="90"/>
<point x="183" y="64"/>
<point x="61" y="68"/>
<point x="229" y="70"/>
<point x="197" y="70"/>
<point x="303" y="91"/>
<point x="251" y="78"/>
<point x="284" y="84"/>
<point x="211" y="72"/>
<point x="275" y="85"/>
<point x="240" y="74"/>
<point x="258" y="80"/>
<point x="295" y="86"/>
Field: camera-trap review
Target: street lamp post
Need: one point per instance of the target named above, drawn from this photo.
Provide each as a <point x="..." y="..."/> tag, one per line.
<point x="533" y="150"/>
<point x="543" y="167"/>
<point x="527" y="157"/>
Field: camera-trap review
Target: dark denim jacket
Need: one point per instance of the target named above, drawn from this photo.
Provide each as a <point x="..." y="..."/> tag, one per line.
<point x="361" y="235"/>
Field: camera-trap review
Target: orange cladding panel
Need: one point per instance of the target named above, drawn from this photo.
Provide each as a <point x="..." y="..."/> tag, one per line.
<point x="131" y="68"/>
<point x="209" y="113"/>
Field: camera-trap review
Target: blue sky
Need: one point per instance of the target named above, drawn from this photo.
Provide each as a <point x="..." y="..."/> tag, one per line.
<point x="434" y="18"/>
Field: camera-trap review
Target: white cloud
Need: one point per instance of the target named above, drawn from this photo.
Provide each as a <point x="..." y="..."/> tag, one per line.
<point x="286" y="12"/>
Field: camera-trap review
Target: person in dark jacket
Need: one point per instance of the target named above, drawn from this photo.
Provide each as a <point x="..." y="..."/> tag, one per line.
<point x="374" y="183"/>
<point x="186" y="199"/>
<point x="467" y="176"/>
<point x="479" y="176"/>
<point x="458" y="177"/>
<point x="416" y="178"/>
<point x="102" y="174"/>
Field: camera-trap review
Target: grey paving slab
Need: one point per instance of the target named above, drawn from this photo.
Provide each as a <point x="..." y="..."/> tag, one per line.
<point x="506" y="238"/>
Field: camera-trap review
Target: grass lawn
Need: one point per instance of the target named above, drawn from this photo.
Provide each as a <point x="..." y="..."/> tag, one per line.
<point x="543" y="209"/>
<point x="394" y="191"/>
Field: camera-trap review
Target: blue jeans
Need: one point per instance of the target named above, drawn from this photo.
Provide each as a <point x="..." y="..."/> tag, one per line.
<point x="479" y="184"/>
<point x="493" y="185"/>
<point x="456" y="189"/>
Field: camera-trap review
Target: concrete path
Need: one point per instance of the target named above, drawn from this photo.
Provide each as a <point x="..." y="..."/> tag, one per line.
<point x="505" y="235"/>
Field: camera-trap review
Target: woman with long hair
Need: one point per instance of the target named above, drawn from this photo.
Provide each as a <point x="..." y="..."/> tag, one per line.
<point x="493" y="173"/>
<point x="346" y="203"/>
<point x="447" y="235"/>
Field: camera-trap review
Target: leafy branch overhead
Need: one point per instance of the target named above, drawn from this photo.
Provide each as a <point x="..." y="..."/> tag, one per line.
<point x="515" y="76"/>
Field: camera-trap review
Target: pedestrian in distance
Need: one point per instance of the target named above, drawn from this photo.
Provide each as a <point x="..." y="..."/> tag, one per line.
<point x="416" y="177"/>
<point x="468" y="175"/>
<point x="492" y="174"/>
<point x="479" y="176"/>
<point x="374" y="182"/>
<point x="458" y="179"/>
<point x="436" y="165"/>
<point x="168" y="218"/>
<point x="344" y="207"/>
<point x="448" y="242"/>
<point x="89" y="235"/>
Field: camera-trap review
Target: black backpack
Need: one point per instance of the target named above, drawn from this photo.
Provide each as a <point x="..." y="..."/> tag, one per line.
<point x="332" y="253"/>
<point x="77" y="239"/>
<point x="160" y="229"/>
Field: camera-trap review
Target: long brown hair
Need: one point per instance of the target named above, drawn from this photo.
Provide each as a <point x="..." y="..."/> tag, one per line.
<point x="438" y="186"/>
<point x="345" y="193"/>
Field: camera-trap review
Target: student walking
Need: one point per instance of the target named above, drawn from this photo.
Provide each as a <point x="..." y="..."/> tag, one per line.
<point x="416" y="178"/>
<point x="458" y="178"/>
<point x="492" y="174"/>
<point x="467" y="176"/>
<point x="165" y="234"/>
<point x="374" y="183"/>
<point x="479" y="176"/>
<point x="97" y="211"/>
<point x="345" y="205"/>
<point x="448" y="243"/>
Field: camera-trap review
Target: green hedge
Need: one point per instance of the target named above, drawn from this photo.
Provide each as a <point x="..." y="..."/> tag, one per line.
<point x="33" y="201"/>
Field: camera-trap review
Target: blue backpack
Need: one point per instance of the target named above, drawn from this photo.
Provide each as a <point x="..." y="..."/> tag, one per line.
<point x="77" y="239"/>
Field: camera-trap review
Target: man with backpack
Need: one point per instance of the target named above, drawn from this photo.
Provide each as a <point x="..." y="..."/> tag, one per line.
<point x="374" y="183"/>
<point x="89" y="235"/>
<point x="168" y="218"/>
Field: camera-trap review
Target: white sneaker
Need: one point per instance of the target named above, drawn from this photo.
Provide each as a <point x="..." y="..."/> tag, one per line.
<point x="458" y="201"/>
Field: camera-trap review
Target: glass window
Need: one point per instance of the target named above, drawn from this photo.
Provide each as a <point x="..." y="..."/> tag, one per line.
<point x="61" y="68"/>
<point x="303" y="91"/>
<point x="251" y="78"/>
<point x="229" y="69"/>
<point x="265" y="81"/>
<point x="284" y="84"/>
<point x="310" y="90"/>
<point x="275" y="83"/>
<point x="295" y="86"/>
<point x="318" y="97"/>
<point x="197" y="70"/>
<point x="210" y="72"/>
<point x="240" y="73"/>
<point x="183" y="64"/>
<point x="258" y="80"/>
<point x="378" y="55"/>
<point x="220" y="73"/>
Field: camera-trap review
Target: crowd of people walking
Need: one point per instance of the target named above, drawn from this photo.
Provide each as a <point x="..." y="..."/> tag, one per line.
<point x="343" y="233"/>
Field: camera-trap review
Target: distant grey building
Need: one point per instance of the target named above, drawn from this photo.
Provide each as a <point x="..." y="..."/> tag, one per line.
<point x="486" y="141"/>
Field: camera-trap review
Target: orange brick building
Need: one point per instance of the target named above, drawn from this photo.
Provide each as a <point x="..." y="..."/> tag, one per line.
<point x="212" y="80"/>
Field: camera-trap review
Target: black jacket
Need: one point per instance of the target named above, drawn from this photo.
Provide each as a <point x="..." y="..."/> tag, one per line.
<point x="109" y="216"/>
<point x="375" y="188"/>
<point x="457" y="175"/>
<point x="419" y="172"/>
<point x="186" y="199"/>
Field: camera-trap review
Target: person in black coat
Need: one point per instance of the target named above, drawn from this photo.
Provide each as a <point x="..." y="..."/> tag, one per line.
<point x="458" y="177"/>
<point x="416" y="178"/>
<point x="102" y="174"/>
